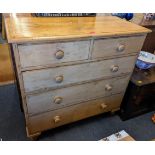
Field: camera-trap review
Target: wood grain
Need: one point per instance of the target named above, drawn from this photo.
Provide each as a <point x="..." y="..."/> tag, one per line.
<point x="6" y="72"/>
<point x="32" y="29"/>
<point x="3" y="28"/>
<point x="88" y="87"/>
<point x="73" y="113"/>
<point x="45" y="54"/>
<point x="43" y="102"/>
<point x="46" y="78"/>
<point x="110" y="46"/>
<point x="19" y="78"/>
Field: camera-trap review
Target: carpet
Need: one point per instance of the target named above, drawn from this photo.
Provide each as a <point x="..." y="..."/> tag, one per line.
<point x="12" y="124"/>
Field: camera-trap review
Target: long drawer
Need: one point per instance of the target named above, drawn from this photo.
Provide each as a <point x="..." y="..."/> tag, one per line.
<point x="52" y="53"/>
<point x="61" y="76"/>
<point x="117" y="46"/>
<point x="73" y="113"/>
<point x="63" y="97"/>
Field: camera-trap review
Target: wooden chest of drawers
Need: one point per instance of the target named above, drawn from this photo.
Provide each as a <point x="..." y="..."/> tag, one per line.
<point x="72" y="68"/>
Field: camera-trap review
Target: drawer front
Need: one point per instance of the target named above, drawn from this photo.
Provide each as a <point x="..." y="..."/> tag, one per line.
<point x="60" y="98"/>
<point x="53" y="53"/>
<point x="73" y="113"/>
<point x="61" y="76"/>
<point x="117" y="46"/>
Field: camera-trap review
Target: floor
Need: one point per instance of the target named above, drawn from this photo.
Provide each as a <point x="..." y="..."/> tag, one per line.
<point x="12" y="125"/>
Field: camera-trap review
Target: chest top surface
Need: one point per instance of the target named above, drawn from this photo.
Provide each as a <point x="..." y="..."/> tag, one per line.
<point x="31" y="29"/>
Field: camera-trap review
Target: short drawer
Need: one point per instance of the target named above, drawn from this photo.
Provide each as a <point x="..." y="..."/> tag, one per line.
<point x="117" y="46"/>
<point x="60" y="98"/>
<point x="52" y="53"/>
<point x="62" y="76"/>
<point x="73" y="113"/>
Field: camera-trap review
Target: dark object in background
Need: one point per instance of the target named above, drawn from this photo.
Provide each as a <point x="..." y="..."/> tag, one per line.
<point x="149" y="44"/>
<point x="127" y="16"/>
<point x="140" y="95"/>
<point x="140" y="98"/>
<point x="64" y="14"/>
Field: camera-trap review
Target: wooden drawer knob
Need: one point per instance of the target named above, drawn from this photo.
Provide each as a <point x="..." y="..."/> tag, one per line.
<point x="108" y="87"/>
<point x="57" y="119"/>
<point x="114" y="68"/>
<point x="58" y="100"/>
<point x="121" y="48"/>
<point x="103" y="106"/>
<point x="59" y="79"/>
<point x="59" y="54"/>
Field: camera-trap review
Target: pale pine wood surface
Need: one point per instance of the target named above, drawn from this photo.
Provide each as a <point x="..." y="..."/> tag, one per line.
<point x="44" y="54"/>
<point x="31" y="29"/>
<point x="73" y="113"/>
<point x="107" y="47"/>
<point x="51" y="108"/>
<point x="75" y="94"/>
<point x="46" y="78"/>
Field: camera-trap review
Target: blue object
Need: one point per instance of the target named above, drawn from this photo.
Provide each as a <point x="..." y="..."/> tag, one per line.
<point x="127" y="16"/>
<point x="145" y="60"/>
<point x="143" y="65"/>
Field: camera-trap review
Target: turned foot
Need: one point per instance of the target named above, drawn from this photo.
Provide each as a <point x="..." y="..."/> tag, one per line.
<point x="113" y="112"/>
<point x="32" y="136"/>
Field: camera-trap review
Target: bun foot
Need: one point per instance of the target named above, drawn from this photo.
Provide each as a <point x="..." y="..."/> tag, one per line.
<point x="113" y="112"/>
<point x="33" y="136"/>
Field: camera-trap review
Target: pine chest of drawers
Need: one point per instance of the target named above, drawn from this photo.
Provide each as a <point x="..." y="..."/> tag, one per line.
<point x="71" y="68"/>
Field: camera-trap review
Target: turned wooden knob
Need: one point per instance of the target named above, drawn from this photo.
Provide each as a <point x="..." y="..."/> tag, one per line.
<point x="121" y="48"/>
<point x="59" y="54"/>
<point x="57" y="100"/>
<point x="108" y="87"/>
<point x="59" y="78"/>
<point x="103" y="105"/>
<point x="57" y="119"/>
<point x="114" y="68"/>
